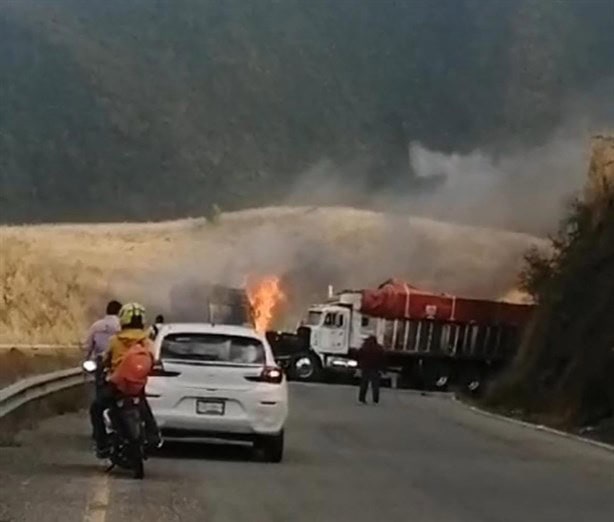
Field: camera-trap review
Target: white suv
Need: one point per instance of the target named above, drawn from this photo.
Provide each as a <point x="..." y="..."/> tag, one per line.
<point x="218" y="381"/>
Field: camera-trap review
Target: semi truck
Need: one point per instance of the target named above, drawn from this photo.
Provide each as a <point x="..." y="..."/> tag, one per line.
<point x="196" y="301"/>
<point x="430" y="340"/>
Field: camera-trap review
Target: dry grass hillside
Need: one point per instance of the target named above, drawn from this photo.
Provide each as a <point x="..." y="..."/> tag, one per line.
<point x="55" y="278"/>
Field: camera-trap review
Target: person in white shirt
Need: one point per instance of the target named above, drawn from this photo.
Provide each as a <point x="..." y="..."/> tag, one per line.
<point x="101" y="331"/>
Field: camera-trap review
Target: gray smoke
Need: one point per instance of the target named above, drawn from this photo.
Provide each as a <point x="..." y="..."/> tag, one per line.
<point x="513" y="187"/>
<point x="313" y="247"/>
<point x="524" y="190"/>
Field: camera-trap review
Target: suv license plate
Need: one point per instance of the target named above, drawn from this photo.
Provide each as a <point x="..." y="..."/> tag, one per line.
<point x="208" y="407"/>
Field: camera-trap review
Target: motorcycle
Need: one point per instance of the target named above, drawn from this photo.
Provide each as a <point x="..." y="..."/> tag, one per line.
<point x="125" y="429"/>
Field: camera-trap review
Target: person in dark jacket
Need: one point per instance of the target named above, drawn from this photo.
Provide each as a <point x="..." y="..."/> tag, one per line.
<point x="371" y="360"/>
<point x="155" y="328"/>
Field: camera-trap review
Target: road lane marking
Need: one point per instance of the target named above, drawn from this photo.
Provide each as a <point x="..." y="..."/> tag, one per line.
<point x="98" y="501"/>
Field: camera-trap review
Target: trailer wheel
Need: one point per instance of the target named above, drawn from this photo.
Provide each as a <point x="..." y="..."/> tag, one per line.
<point x="442" y="382"/>
<point x="435" y="375"/>
<point x="472" y="380"/>
<point x="305" y="368"/>
<point x="473" y="386"/>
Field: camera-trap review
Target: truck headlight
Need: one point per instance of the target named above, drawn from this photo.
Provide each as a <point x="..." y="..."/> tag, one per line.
<point x="339" y="362"/>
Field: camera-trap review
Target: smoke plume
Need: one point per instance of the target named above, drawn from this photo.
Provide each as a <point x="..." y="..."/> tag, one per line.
<point x="466" y="234"/>
<point x="310" y="248"/>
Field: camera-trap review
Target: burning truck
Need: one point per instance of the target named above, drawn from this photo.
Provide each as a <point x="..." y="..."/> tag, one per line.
<point x="197" y="301"/>
<point x="254" y="305"/>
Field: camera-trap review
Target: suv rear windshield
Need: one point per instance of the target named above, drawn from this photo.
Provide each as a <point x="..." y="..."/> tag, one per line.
<point x="213" y="348"/>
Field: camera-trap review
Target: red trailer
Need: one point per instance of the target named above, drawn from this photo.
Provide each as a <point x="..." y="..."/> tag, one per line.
<point x="396" y="299"/>
<point x="442" y="335"/>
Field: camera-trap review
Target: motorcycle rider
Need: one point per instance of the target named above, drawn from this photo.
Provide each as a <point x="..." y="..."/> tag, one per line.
<point x="133" y="332"/>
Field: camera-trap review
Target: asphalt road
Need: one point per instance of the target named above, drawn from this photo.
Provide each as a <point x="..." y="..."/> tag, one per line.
<point x="411" y="458"/>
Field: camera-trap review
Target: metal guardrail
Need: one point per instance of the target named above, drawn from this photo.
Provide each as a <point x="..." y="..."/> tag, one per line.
<point x="16" y="395"/>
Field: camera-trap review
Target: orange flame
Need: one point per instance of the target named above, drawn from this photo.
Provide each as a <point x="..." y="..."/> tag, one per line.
<point x="264" y="296"/>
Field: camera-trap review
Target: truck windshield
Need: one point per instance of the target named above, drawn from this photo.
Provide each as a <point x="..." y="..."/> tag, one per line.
<point x="313" y="318"/>
<point x="210" y="348"/>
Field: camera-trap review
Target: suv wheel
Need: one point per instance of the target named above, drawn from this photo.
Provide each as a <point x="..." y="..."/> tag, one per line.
<point x="271" y="447"/>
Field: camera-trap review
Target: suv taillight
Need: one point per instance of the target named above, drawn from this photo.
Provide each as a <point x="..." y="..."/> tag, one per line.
<point x="273" y="375"/>
<point x="270" y="374"/>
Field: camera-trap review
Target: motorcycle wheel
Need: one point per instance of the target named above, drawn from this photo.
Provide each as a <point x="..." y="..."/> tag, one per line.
<point x="138" y="468"/>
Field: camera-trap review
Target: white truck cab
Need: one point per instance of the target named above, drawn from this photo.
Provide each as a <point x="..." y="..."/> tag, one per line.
<point x="337" y="328"/>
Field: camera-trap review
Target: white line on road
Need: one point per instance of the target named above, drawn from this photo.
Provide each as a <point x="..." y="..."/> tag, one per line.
<point x="98" y="501"/>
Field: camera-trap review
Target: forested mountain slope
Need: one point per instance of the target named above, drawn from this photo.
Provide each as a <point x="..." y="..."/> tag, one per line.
<point x="142" y="109"/>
